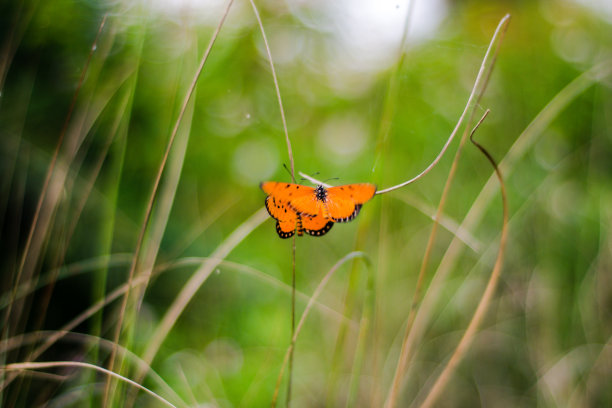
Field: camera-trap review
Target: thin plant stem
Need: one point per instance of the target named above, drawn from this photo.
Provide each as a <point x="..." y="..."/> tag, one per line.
<point x="527" y="138"/>
<point x="277" y="88"/>
<point x="292" y="164"/>
<point x="21" y="367"/>
<point x="195" y="282"/>
<point x="155" y="188"/>
<point x="311" y="302"/>
<point x="290" y="368"/>
<point x="501" y="27"/>
<point x="32" y="243"/>
<point x="86" y="339"/>
<point x="390" y="104"/>
<point x="83" y="316"/>
<point x="485" y="300"/>
<point x="477" y="91"/>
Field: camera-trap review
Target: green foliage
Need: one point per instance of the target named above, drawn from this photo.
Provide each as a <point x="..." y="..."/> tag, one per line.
<point x="546" y="336"/>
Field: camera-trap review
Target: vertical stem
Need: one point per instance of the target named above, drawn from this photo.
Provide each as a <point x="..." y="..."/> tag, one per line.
<point x="290" y="367"/>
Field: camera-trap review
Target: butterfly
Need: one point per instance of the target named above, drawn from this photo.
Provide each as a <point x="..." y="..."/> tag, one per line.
<point x="313" y="210"/>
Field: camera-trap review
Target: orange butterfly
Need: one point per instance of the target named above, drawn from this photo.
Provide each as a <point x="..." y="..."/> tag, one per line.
<point x="313" y="209"/>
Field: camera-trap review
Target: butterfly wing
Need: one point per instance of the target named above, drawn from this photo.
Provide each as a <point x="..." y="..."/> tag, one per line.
<point x="285" y="229"/>
<point x="306" y="209"/>
<point x="277" y="204"/>
<point x="308" y="205"/>
<point x="285" y="191"/>
<point x="344" y="202"/>
<point x="279" y="209"/>
<point x="302" y="199"/>
<point x="316" y="226"/>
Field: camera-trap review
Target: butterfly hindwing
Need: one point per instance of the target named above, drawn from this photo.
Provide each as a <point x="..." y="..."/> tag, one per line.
<point x="316" y="226"/>
<point x="285" y="229"/>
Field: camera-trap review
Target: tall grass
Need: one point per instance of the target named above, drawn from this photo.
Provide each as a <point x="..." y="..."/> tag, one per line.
<point x="134" y="269"/>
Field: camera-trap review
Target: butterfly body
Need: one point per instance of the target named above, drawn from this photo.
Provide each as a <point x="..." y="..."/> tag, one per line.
<point x="313" y="210"/>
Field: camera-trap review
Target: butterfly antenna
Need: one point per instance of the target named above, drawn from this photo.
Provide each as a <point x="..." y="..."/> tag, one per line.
<point x="287" y="168"/>
<point x="305" y="179"/>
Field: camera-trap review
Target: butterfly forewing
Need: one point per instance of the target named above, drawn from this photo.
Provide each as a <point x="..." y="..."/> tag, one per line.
<point x="344" y="202"/>
<point x="285" y="191"/>
<point x="357" y="193"/>
<point x="340" y="206"/>
<point x="279" y="209"/>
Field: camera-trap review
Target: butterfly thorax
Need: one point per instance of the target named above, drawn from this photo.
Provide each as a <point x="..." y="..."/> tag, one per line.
<point x="321" y="193"/>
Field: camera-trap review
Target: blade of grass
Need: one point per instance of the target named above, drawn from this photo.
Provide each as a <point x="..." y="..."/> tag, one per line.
<point x="478" y="89"/>
<point x="263" y="277"/>
<point x="20" y="22"/>
<point x="445" y="221"/>
<point x="311" y="302"/>
<point x="153" y="195"/>
<point x="292" y="164"/>
<point x="195" y="282"/>
<point x="21" y="367"/>
<point x="84" y="339"/>
<point x="362" y="341"/>
<point x="49" y="194"/>
<point x="485" y="300"/>
<point x="277" y="88"/>
<point x="475" y="213"/>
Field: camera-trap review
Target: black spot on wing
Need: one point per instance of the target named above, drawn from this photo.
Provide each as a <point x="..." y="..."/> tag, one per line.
<point x="322" y="231"/>
<point x="350" y="217"/>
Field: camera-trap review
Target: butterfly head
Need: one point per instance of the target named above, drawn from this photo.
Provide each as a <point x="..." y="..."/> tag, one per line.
<point x="321" y="193"/>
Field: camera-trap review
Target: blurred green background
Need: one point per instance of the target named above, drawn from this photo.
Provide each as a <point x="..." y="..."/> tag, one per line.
<point x="361" y="106"/>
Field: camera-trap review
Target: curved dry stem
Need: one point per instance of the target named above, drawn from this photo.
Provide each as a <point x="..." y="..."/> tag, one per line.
<point x="115" y="294"/>
<point x="156" y="184"/>
<point x="21" y="367"/>
<point x="195" y="282"/>
<point x="518" y="149"/>
<point x="277" y="88"/>
<point x="485" y="300"/>
<point x="75" y="269"/>
<point x="480" y="86"/>
<point x="82" y="338"/>
<point x="292" y="163"/>
<point x="311" y="302"/>
<point x="272" y="281"/>
<point x="96" y="307"/>
<point x="528" y="137"/>
<point x="481" y="79"/>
